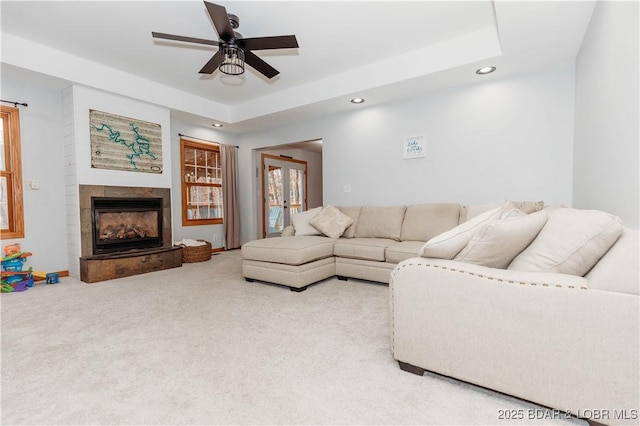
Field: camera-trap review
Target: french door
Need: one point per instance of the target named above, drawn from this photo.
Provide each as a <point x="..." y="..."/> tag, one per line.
<point x="284" y="190"/>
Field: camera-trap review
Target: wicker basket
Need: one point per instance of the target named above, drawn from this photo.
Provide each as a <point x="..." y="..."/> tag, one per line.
<point x="191" y="254"/>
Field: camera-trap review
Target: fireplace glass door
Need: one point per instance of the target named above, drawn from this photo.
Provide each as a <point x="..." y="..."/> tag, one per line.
<point x="122" y="224"/>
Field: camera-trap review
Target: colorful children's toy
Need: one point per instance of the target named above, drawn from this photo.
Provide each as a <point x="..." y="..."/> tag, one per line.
<point x="10" y="249"/>
<point x="13" y="278"/>
<point x="52" y="278"/>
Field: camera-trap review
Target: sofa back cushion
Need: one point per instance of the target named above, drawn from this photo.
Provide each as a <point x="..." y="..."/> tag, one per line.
<point x="619" y="268"/>
<point x="468" y="212"/>
<point x="353" y="212"/>
<point x="528" y="207"/>
<point x="380" y="222"/>
<point x="424" y="221"/>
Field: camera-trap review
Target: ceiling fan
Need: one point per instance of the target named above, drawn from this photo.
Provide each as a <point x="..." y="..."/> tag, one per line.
<point x="234" y="51"/>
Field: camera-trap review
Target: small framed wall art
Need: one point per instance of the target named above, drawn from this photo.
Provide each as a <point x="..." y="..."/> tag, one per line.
<point x="414" y="147"/>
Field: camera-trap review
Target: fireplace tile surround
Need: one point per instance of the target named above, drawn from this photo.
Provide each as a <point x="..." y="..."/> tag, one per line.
<point x="95" y="268"/>
<point x="86" y="192"/>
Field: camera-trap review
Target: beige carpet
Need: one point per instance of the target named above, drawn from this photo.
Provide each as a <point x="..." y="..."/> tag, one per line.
<point x="198" y="345"/>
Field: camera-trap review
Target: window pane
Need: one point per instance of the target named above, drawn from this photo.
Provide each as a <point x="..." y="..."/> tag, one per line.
<point x="2" y="148"/>
<point x="205" y="202"/>
<point x="4" y="204"/>
<point x="189" y="174"/>
<point x="189" y="156"/>
<point x="211" y="158"/>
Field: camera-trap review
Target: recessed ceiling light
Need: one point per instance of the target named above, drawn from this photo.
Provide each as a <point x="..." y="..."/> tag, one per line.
<point x="217" y="125"/>
<point x="486" y="70"/>
<point x="357" y="100"/>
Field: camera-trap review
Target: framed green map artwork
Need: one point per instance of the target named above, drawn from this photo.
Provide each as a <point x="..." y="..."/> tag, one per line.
<point x="123" y="143"/>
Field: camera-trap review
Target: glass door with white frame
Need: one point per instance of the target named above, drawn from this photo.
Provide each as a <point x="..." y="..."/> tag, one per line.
<point x="284" y="190"/>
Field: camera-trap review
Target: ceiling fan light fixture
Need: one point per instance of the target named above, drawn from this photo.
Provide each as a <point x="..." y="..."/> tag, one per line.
<point x="233" y="60"/>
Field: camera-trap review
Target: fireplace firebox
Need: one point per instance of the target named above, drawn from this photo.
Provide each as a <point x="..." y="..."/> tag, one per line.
<point x="123" y="224"/>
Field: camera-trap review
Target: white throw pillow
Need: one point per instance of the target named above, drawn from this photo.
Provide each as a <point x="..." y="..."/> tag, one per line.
<point x="571" y="242"/>
<point x="496" y="244"/>
<point x="448" y="244"/>
<point x="300" y="222"/>
<point x="331" y="222"/>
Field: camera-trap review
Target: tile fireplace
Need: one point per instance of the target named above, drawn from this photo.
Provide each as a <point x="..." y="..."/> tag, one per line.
<point x="125" y="231"/>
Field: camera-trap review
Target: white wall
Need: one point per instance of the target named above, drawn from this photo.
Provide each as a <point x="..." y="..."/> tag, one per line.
<point x="42" y="159"/>
<point x="212" y="233"/>
<point x="607" y="133"/>
<point x="505" y="138"/>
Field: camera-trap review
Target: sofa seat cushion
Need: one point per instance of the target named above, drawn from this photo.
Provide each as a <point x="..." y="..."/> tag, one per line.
<point x="398" y="252"/>
<point x="295" y="250"/>
<point x="362" y="248"/>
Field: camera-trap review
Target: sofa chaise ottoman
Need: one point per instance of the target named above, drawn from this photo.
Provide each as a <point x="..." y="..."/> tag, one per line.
<point x="291" y="261"/>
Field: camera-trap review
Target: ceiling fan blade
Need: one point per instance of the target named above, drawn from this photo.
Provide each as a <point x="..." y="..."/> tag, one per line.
<point x="260" y="65"/>
<point x="220" y="21"/>
<point x="182" y="38"/>
<point x="213" y="64"/>
<point x="264" y="43"/>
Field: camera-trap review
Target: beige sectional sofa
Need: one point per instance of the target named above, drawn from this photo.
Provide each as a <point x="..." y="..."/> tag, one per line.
<point x="541" y="304"/>
<point x="369" y="248"/>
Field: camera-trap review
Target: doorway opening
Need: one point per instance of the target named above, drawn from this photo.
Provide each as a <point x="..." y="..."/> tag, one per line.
<point x="284" y="190"/>
<point x="289" y="181"/>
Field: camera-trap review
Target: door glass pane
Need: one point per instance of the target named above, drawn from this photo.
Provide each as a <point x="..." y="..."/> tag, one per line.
<point x="296" y="182"/>
<point x="275" y="200"/>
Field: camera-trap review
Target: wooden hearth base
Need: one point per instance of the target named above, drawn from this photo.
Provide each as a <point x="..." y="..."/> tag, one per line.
<point x="110" y="266"/>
